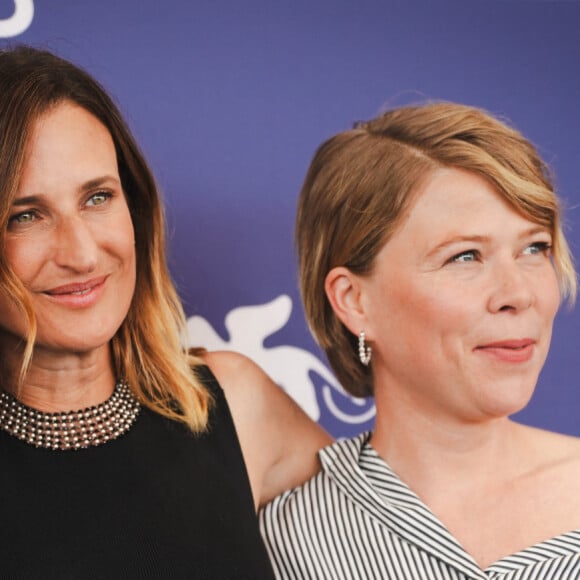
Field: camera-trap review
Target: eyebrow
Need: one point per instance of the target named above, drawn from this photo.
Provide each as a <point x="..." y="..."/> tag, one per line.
<point x="482" y="239"/>
<point x="455" y="240"/>
<point x="28" y="200"/>
<point x="91" y="184"/>
<point x="97" y="182"/>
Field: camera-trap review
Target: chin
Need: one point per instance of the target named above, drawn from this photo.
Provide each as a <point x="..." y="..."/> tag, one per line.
<point x="503" y="395"/>
<point x="78" y="335"/>
<point x="509" y="403"/>
<point x="74" y="344"/>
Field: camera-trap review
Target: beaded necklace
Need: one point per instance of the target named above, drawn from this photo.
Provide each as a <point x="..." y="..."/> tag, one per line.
<point x="88" y="427"/>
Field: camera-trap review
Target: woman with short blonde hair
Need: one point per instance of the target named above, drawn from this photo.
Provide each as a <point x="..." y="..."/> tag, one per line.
<point x="432" y="264"/>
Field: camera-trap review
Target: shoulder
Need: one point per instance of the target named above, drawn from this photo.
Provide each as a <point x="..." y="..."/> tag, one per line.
<point x="550" y="447"/>
<point x="552" y="458"/>
<point x="545" y="481"/>
<point x="236" y="373"/>
<point x="248" y="389"/>
<point x="278" y="440"/>
<point x="341" y="474"/>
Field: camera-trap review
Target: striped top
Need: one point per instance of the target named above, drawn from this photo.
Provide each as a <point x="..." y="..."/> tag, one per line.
<point x="357" y="520"/>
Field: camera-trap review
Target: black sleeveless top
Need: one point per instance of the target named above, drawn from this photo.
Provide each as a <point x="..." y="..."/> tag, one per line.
<point x="158" y="502"/>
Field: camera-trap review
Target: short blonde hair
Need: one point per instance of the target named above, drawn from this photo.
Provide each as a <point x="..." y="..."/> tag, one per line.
<point x="361" y="182"/>
<point x="147" y="349"/>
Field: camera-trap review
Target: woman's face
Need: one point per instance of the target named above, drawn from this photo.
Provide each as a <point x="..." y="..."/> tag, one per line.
<point x="70" y="238"/>
<point x="460" y="304"/>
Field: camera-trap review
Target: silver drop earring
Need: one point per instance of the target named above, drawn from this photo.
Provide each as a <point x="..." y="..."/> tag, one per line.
<point x="364" y="351"/>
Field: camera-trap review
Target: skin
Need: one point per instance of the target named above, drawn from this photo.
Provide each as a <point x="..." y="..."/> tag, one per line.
<point x="464" y="284"/>
<point x="70" y="241"/>
<point x="458" y="343"/>
<point x="278" y="440"/>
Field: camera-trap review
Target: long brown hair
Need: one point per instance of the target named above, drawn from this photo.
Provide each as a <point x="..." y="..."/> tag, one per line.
<point x="147" y="349"/>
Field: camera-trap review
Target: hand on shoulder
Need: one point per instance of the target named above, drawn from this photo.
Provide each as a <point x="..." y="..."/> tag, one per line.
<point x="279" y="441"/>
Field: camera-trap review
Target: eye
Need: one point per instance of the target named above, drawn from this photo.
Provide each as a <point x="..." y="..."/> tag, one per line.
<point x="99" y="198"/>
<point x="538" y="248"/>
<point x="467" y="256"/>
<point x="24" y="217"/>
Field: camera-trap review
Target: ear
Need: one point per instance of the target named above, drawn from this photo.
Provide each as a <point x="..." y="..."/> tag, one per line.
<point x="343" y="289"/>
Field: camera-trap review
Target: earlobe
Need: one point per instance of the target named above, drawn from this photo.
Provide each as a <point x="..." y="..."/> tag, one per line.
<point x="343" y="291"/>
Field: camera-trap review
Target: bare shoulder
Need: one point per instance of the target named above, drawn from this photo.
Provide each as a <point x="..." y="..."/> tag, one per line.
<point x="249" y="390"/>
<point x="553" y="454"/>
<point x="236" y="373"/>
<point x="548" y="482"/>
<point x="279" y="441"/>
<point x="554" y="443"/>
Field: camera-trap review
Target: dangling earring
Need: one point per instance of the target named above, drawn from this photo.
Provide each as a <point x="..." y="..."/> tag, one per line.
<point x="364" y="351"/>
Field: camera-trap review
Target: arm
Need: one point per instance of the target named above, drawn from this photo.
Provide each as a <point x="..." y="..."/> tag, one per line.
<point x="279" y="441"/>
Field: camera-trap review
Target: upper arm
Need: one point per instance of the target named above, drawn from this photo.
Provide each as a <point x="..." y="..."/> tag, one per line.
<point x="278" y="440"/>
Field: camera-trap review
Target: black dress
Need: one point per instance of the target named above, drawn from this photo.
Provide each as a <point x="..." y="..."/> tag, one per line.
<point x="158" y="502"/>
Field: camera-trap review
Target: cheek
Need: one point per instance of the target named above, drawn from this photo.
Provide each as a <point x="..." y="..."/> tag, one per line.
<point x="26" y="258"/>
<point x="429" y="305"/>
<point x="128" y="258"/>
<point x="128" y="248"/>
<point x="439" y="322"/>
<point x="552" y="299"/>
<point x="125" y="236"/>
<point x="117" y="244"/>
<point x="410" y="315"/>
<point x="12" y="317"/>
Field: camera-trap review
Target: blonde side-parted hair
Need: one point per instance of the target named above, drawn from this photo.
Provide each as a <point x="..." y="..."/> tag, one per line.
<point x="361" y="182"/>
<point x="147" y="349"/>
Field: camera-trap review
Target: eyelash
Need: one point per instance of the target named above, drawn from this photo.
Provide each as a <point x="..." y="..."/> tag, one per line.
<point x="106" y="195"/>
<point x="539" y="247"/>
<point x="16" y="217"/>
<point x="457" y="258"/>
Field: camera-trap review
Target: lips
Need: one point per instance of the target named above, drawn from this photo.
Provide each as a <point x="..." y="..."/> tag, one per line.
<point x="77" y="295"/>
<point x="513" y="350"/>
<point x="79" y="288"/>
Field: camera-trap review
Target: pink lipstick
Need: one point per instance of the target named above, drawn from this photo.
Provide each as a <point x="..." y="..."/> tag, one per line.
<point x="514" y="351"/>
<point x="79" y="294"/>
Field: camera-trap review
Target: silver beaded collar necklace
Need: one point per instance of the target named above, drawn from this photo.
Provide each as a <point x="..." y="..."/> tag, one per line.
<point x="88" y="427"/>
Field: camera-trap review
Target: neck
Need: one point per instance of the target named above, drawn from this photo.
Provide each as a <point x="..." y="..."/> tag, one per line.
<point x="433" y="452"/>
<point x="60" y="381"/>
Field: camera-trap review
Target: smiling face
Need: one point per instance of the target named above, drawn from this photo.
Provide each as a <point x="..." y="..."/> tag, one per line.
<point x="70" y="237"/>
<point x="460" y="303"/>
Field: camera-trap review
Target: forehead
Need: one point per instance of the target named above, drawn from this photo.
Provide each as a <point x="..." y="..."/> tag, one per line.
<point x="452" y="201"/>
<point x="67" y="143"/>
<point x="454" y="191"/>
<point x="66" y="120"/>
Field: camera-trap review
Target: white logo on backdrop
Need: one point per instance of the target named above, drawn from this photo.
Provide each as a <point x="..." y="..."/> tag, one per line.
<point x="19" y="21"/>
<point x="289" y="366"/>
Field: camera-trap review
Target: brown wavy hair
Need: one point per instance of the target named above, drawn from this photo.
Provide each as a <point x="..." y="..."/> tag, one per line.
<point x="147" y="349"/>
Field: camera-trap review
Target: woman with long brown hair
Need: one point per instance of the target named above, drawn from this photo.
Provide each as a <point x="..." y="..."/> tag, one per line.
<point x="119" y="454"/>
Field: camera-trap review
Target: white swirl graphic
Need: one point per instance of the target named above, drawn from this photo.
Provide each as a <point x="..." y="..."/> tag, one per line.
<point x="289" y="366"/>
<point x="19" y="21"/>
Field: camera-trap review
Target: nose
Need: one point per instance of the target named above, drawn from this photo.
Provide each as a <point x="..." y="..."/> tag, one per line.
<point x="511" y="288"/>
<point x="76" y="248"/>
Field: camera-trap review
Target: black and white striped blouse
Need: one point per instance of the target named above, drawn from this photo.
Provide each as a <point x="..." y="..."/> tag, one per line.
<point x="357" y="520"/>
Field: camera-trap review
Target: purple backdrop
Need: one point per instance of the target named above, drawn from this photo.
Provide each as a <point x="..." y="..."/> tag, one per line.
<point x="230" y="99"/>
